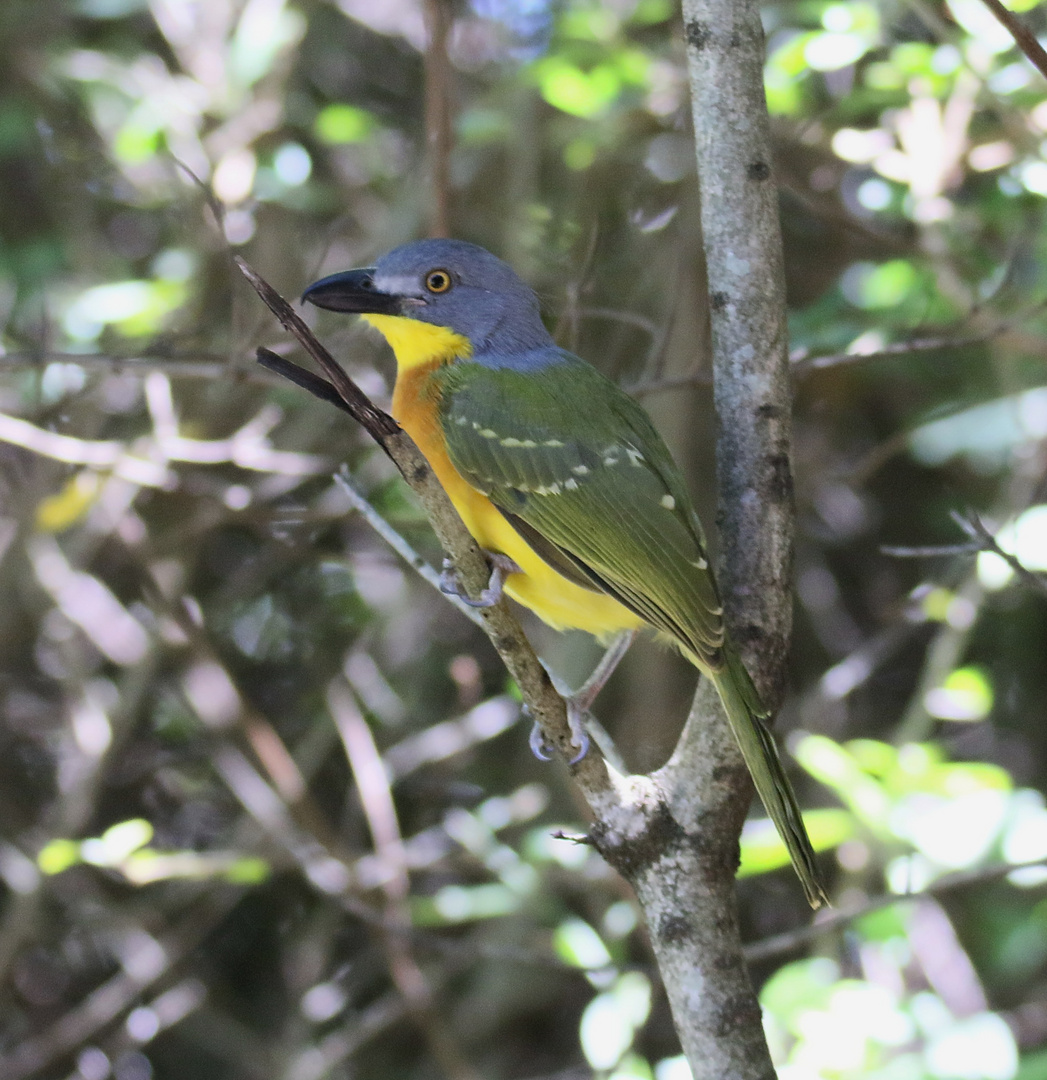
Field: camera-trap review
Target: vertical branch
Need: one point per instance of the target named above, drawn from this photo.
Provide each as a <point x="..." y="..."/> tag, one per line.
<point x="743" y="251"/>
<point x="691" y="908"/>
<point x="438" y="113"/>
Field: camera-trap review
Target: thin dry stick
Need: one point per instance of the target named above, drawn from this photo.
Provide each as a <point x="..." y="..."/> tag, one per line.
<point x="104" y="1004"/>
<point x="438" y="113"/>
<point x="829" y="921"/>
<point x="1023" y="36"/>
<point x="803" y="365"/>
<point x="402" y="548"/>
<point x="973" y="526"/>
<point x="376" y="798"/>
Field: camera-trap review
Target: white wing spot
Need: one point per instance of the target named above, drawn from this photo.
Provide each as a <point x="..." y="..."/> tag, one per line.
<point x="635" y="457"/>
<point x="580" y="470"/>
<point x="570" y="485"/>
<point x="551" y="442"/>
<point x="668" y="502"/>
<point x="610" y="460"/>
<point x="462" y="420"/>
<point x="527" y="444"/>
<point x="702" y="564"/>
<point x="551" y="489"/>
<point x="489" y="433"/>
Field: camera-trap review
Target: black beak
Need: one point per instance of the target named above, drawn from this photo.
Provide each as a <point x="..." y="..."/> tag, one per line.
<point x="352" y="291"/>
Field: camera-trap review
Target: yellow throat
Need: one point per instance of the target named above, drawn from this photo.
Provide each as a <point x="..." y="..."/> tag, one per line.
<point x="415" y="343"/>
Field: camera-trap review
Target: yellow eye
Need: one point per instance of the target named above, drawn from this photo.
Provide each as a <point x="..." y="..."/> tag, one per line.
<point x="438" y="281"/>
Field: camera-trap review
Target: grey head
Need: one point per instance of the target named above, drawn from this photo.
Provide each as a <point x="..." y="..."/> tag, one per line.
<point x="448" y="283"/>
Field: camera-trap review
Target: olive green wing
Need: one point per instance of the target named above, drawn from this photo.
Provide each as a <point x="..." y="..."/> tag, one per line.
<point x="576" y="465"/>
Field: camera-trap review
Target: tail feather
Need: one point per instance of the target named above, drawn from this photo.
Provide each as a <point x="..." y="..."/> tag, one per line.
<point x="742" y="704"/>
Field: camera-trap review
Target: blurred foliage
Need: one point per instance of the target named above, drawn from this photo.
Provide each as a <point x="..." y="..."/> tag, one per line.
<point x="206" y="657"/>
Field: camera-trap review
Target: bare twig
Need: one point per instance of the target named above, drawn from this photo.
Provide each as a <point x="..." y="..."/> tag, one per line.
<point x="439" y="741"/>
<point x="246" y="448"/>
<point x="438" y="113"/>
<point x="827" y="921"/>
<point x="147" y="960"/>
<point x="1023" y="36"/>
<point x="929" y="551"/>
<point x="397" y="542"/>
<point x="376" y="798"/>
<point x="334" y="1048"/>
<point x="973" y="526"/>
<point x="187" y="365"/>
<point x="676" y="382"/>
<point x="801" y="364"/>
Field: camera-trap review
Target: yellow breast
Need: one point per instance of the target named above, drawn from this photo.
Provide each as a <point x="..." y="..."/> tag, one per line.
<point x="420" y="349"/>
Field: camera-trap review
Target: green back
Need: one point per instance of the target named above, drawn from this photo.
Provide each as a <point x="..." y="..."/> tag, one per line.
<point x="577" y="466"/>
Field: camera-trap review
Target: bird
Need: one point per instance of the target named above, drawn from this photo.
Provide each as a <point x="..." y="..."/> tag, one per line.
<point x="559" y="475"/>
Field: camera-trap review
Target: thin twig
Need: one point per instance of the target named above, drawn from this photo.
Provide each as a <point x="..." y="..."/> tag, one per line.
<point x="973" y="526"/>
<point x="1023" y="36"/>
<point x="379" y="424"/>
<point x="399" y="544"/>
<point x="332" y="1050"/>
<point x="930" y="551"/>
<point x="101" y="1006"/>
<point x="629" y="318"/>
<point x="676" y="382"/>
<point x="376" y="798"/>
<point x="438" y="113"/>
<point x="801" y="364"/>
<point x="187" y="365"/>
<point x="828" y="921"/>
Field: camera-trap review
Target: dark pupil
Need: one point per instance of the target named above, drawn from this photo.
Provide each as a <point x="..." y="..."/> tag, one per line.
<point x="438" y="282"/>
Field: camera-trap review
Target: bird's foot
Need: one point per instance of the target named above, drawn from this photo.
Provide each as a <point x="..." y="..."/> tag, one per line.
<point x="544" y="750"/>
<point x="581" y="701"/>
<point x="501" y="567"/>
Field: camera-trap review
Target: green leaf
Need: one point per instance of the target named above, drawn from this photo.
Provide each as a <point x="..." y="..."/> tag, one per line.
<point x="610" y="1021"/>
<point x="798" y="988"/>
<point x="965" y="695"/>
<point x="250" y="870"/>
<point x="339" y="124"/>
<point x="58" y="855"/>
<point x="581" y="93"/>
<point x="837" y="768"/>
<point x="117" y="842"/>
<point x="460" y="904"/>
<point x="578" y="944"/>
<point x="763" y="849"/>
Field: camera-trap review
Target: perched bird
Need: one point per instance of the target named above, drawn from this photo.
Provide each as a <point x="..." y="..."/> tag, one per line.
<point x="559" y="473"/>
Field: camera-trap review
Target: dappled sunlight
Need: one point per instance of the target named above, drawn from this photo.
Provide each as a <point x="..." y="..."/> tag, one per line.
<point x="268" y="806"/>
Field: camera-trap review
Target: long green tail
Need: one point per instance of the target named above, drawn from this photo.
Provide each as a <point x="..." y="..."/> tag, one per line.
<point x="758" y="747"/>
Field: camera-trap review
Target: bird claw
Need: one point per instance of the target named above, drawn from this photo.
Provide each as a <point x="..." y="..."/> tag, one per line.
<point x="501" y="567"/>
<point x="540" y="746"/>
<point x="543" y="750"/>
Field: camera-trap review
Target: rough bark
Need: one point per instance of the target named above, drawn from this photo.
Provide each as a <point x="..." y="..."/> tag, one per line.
<point x="688" y="893"/>
<point x="674" y="835"/>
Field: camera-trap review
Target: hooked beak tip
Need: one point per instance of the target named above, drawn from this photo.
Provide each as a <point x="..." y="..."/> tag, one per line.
<point x="352" y="291"/>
